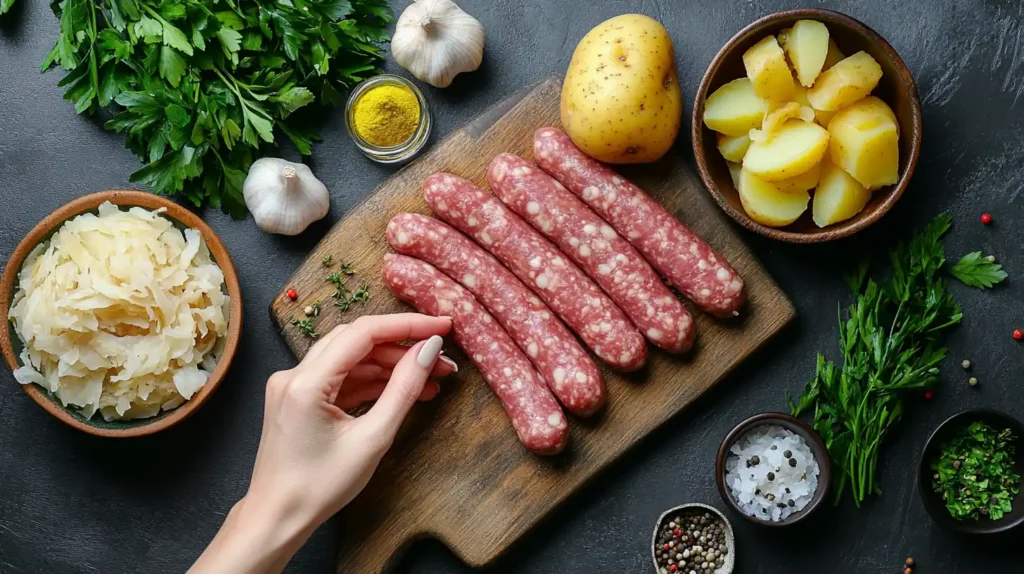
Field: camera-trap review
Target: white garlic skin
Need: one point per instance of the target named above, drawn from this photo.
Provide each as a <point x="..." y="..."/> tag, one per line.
<point x="284" y="197"/>
<point x="436" y="41"/>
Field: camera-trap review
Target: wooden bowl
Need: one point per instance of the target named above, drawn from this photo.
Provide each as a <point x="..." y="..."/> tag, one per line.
<point x="10" y="345"/>
<point x="933" y="502"/>
<point x="896" y="88"/>
<point x="798" y="427"/>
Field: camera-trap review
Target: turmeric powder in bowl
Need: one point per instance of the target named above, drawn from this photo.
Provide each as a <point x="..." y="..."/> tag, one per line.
<point x="387" y="115"/>
<point x="388" y="119"/>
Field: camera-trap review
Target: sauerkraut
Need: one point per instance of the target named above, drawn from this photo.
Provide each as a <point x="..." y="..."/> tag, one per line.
<point x="121" y="313"/>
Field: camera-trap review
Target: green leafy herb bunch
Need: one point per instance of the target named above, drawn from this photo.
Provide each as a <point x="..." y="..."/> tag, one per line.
<point x="891" y="340"/>
<point x="200" y="88"/>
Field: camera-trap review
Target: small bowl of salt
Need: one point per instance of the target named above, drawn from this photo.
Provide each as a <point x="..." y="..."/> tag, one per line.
<point x="773" y="469"/>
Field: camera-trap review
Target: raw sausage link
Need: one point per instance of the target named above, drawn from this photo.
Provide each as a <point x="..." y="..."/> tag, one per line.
<point x="535" y="415"/>
<point x="596" y="248"/>
<point x="559" y="283"/>
<point x="688" y="263"/>
<point x="569" y="372"/>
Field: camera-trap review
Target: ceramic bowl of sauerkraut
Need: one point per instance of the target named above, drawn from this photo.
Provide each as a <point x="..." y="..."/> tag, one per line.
<point x="122" y="312"/>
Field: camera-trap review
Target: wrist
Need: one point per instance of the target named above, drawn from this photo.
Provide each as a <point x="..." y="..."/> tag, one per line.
<point x="258" y="535"/>
<point x="275" y="525"/>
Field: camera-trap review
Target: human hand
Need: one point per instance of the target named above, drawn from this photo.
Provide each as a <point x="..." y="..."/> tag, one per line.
<point x="313" y="458"/>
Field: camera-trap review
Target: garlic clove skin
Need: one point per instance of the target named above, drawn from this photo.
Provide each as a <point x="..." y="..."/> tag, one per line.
<point x="284" y="197"/>
<point x="436" y="40"/>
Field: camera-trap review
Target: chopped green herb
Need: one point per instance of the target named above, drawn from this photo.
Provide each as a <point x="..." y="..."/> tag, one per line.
<point x="362" y="294"/>
<point x="346" y="268"/>
<point x="340" y="291"/>
<point x="977" y="271"/>
<point x="204" y="87"/>
<point x="891" y="342"/>
<point x="306" y="327"/>
<point x="328" y="260"/>
<point x="975" y="472"/>
<point x="5" y="6"/>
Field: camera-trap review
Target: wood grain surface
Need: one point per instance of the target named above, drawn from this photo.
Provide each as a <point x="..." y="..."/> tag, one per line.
<point x="457" y="472"/>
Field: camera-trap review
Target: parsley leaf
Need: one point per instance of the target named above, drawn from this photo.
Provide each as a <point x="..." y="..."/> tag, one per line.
<point x="5" y="6"/>
<point x="202" y="88"/>
<point x="977" y="271"/>
<point x="891" y="340"/>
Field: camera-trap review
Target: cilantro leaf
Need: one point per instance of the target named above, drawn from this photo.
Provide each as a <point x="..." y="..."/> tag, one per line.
<point x="974" y="270"/>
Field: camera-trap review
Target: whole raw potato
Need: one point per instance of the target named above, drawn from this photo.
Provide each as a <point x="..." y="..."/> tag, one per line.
<point x="621" y="101"/>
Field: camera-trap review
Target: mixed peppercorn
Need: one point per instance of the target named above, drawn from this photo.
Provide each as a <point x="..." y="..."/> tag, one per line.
<point x="691" y="542"/>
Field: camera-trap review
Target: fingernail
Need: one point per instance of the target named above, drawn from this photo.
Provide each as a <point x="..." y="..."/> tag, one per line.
<point x="429" y="352"/>
<point x="450" y="363"/>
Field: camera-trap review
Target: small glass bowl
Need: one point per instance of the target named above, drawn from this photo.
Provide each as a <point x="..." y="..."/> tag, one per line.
<point x="393" y="154"/>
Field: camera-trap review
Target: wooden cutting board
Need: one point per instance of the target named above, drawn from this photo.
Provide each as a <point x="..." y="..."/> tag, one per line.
<point x="457" y="472"/>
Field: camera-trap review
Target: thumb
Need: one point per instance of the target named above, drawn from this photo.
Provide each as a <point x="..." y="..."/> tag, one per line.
<point x="405" y="386"/>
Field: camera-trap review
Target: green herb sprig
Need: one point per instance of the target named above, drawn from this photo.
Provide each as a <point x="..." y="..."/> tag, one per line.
<point x="201" y="88"/>
<point x="343" y="297"/>
<point x="975" y="472"/>
<point x="974" y="270"/>
<point x="5" y="6"/>
<point x="306" y="327"/>
<point x="891" y="343"/>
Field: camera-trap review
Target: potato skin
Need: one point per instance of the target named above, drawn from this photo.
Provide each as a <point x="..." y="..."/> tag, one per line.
<point x="621" y="101"/>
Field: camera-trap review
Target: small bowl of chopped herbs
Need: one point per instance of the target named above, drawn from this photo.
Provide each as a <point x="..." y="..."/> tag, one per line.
<point x="970" y="472"/>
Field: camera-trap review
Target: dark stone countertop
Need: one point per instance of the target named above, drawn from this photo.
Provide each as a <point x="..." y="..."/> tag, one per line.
<point x="73" y="503"/>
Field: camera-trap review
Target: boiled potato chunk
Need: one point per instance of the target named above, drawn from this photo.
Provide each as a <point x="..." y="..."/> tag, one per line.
<point x="778" y="117"/>
<point x="767" y="69"/>
<point x="734" y="109"/>
<point x="733" y="148"/>
<point x="838" y="196"/>
<point x="765" y="204"/>
<point x="796" y="148"/>
<point x="875" y="105"/>
<point x="807" y="46"/>
<point x="621" y="101"/>
<point x="865" y="143"/>
<point x="833" y="56"/>
<point x="803" y="182"/>
<point x="845" y="83"/>
<point x="820" y="116"/>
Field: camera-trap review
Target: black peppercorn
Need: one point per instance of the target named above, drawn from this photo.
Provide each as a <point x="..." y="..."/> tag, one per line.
<point x="771" y="476"/>
<point x="788" y="454"/>
<point x="792" y="462"/>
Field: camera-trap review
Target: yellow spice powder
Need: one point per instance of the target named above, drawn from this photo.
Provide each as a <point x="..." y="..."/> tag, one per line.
<point x="387" y="115"/>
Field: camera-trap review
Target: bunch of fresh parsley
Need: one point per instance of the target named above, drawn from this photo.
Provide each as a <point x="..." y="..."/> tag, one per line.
<point x="975" y="472"/>
<point x="891" y="342"/>
<point x="201" y="87"/>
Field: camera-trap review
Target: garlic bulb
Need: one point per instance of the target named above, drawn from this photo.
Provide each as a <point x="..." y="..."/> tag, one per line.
<point x="284" y="197"/>
<point x="435" y="40"/>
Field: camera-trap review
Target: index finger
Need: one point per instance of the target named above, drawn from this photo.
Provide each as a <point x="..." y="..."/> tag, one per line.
<point x="349" y="347"/>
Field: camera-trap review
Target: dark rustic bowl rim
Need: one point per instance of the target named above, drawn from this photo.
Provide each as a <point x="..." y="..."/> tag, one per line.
<point x="176" y="213"/>
<point x="978" y="527"/>
<point x="841" y="229"/>
<point x="801" y="428"/>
